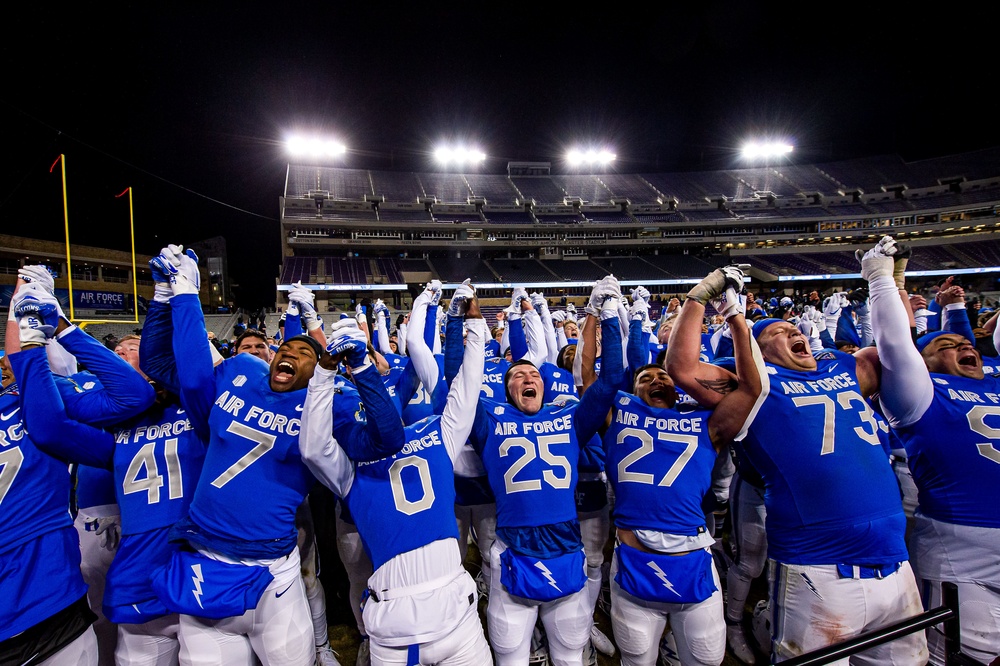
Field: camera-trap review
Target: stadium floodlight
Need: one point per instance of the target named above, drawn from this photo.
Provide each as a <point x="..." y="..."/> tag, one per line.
<point x="300" y="146"/>
<point x="590" y="157"/>
<point x="459" y="155"/>
<point x="763" y="150"/>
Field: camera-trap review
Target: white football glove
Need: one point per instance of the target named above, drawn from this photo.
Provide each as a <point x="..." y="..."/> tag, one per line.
<point x="558" y="316"/>
<point x="639" y="310"/>
<point x="181" y="267"/>
<point x="519" y="294"/>
<point x="730" y="303"/>
<point x="539" y="302"/>
<point x="38" y="274"/>
<point x="434" y="289"/>
<point x="464" y="292"/>
<point x="304" y="301"/>
<point x="570" y="312"/>
<point x="640" y="293"/>
<point x="878" y="262"/>
<point x="37" y="313"/>
<point x="359" y="315"/>
<point x="715" y="283"/>
<point x="379" y="307"/>
<point x="832" y="305"/>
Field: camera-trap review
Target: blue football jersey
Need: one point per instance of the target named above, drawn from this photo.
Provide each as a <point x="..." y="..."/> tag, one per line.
<point x="157" y="462"/>
<point x="830" y="494"/>
<point x="558" y="382"/>
<point x="421" y="404"/>
<point x="407" y="500"/>
<point x="493" y="374"/>
<point x="253" y="479"/>
<point x="39" y="548"/>
<point x="531" y="462"/>
<point x="34" y="487"/>
<point x="659" y="462"/>
<point x="953" y="451"/>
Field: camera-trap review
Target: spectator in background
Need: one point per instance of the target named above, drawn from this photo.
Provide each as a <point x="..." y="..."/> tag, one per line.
<point x="239" y="328"/>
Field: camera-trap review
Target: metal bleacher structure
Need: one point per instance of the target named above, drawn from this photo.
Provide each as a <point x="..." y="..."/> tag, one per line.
<point x="347" y="232"/>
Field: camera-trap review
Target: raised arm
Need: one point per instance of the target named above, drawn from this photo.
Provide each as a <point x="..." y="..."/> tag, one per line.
<point x="193" y="356"/>
<point x="156" y="359"/>
<point x="380" y="432"/>
<point x="460" y="408"/>
<point x="906" y="390"/>
<point x="954" y="316"/>
<point x="382" y="315"/>
<point x="417" y="346"/>
<point x="45" y="418"/>
<point x="704" y="382"/>
<point x="541" y="306"/>
<point x="592" y="413"/>
<point x="319" y="449"/>
<point x="734" y="412"/>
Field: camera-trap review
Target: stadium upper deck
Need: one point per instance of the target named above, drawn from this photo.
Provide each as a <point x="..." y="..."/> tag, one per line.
<point x="361" y="230"/>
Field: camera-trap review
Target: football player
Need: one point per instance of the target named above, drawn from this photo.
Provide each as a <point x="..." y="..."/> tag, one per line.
<point x="530" y="452"/>
<point x="663" y="568"/>
<point x="45" y="617"/>
<point x="839" y="561"/>
<point x="237" y="582"/>
<point x="156" y="459"/>
<point x="943" y="409"/>
<point x="421" y="605"/>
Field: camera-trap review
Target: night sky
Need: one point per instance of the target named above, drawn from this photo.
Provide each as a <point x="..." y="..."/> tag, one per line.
<point x="189" y="103"/>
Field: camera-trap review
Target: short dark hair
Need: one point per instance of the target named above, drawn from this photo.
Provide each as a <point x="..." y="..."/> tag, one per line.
<point x="506" y="376"/>
<point x="249" y="333"/>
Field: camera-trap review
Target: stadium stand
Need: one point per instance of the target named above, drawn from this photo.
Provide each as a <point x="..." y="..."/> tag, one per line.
<point x="530" y="225"/>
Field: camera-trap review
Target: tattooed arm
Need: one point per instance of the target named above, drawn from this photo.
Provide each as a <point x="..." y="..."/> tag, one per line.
<point x="706" y="383"/>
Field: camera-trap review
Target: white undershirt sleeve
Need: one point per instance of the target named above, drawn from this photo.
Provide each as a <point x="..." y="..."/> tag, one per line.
<point x="533" y="335"/>
<point x="460" y="408"/>
<point x="906" y="390"/>
<point x="319" y="450"/>
<point x="416" y="347"/>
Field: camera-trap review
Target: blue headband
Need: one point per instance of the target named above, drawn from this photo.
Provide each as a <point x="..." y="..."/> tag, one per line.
<point x="761" y="324"/>
<point x="928" y="338"/>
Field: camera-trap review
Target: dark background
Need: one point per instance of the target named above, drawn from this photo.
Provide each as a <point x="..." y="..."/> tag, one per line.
<point x="189" y="103"/>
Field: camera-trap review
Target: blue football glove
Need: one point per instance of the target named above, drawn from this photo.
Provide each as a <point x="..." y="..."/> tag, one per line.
<point x="159" y="270"/>
<point x="161" y="280"/>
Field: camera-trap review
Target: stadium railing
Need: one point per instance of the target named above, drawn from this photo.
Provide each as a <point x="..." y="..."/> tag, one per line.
<point x="946" y="614"/>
